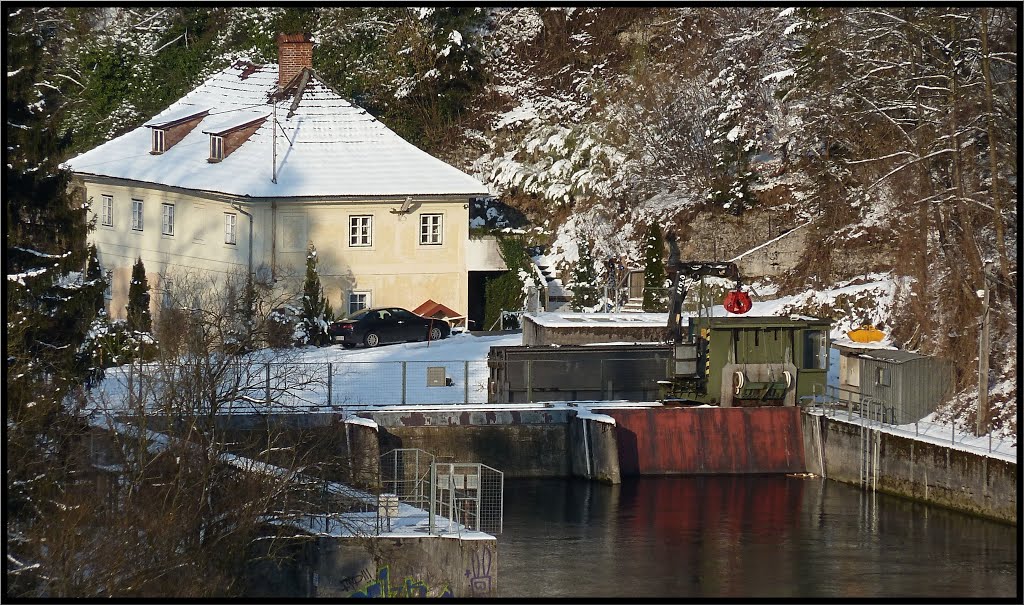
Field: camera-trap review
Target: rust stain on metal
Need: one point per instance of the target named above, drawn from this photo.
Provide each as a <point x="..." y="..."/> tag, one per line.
<point x="464" y="418"/>
<point x="713" y="440"/>
<point x="491" y="417"/>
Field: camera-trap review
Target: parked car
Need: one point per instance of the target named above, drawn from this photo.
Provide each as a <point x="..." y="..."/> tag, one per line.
<point x="372" y="327"/>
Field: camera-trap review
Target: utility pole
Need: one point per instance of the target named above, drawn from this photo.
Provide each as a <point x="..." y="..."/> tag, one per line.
<point x="983" y="352"/>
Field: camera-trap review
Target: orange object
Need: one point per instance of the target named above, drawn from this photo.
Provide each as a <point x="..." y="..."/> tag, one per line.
<point x="866" y="334"/>
<point x="737" y="301"/>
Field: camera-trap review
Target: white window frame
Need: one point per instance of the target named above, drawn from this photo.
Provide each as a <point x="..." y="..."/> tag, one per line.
<point x="158" y="140"/>
<point x="230" y="228"/>
<point x="167" y="219"/>
<point x="107" y="210"/>
<point x="355" y="293"/>
<point x="216" y="147"/>
<point x="431" y="229"/>
<point x="360" y="231"/>
<point x="138" y="214"/>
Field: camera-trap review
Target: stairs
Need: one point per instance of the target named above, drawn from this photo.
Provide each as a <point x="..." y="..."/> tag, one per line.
<point x="557" y="296"/>
<point x="634" y="305"/>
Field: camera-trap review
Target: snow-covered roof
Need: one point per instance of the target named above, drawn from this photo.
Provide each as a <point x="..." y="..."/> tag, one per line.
<point x="337" y="149"/>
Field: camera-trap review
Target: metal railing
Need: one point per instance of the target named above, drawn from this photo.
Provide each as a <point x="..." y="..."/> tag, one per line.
<point x="468" y="495"/>
<point x="453" y="497"/>
<point x="834" y="402"/>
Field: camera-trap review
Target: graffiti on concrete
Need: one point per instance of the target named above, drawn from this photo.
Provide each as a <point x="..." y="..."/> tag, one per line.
<point x="480" y="576"/>
<point x="407" y="589"/>
<point x="351" y="582"/>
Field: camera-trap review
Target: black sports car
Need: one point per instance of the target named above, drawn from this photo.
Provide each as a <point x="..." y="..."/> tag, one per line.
<point x="372" y="327"/>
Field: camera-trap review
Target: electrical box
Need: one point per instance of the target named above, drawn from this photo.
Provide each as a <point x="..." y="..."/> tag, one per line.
<point x="436" y="377"/>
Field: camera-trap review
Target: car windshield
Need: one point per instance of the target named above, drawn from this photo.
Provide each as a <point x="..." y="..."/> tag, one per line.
<point x="358" y="314"/>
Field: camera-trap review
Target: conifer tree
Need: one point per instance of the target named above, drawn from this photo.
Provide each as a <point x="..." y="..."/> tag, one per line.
<point x="94" y="280"/>
<point x="139" y="317"/>
<point x="584" y="280"/>
<point x="316" y="309"/>
<point x="654" y="271"/>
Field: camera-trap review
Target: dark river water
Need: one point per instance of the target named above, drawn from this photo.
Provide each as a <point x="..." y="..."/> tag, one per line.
<point x="706" y="537"/>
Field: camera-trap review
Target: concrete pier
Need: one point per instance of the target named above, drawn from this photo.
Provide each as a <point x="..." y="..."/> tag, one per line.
<point x="594" y="447"/>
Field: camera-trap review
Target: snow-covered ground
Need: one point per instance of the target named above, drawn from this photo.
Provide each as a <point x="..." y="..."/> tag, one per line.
<point x="348" y="380"/>
<point x="929" y="430"/>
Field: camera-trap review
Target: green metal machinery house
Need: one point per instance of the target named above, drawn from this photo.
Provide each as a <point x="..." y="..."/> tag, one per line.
<point x="735" y="361"/>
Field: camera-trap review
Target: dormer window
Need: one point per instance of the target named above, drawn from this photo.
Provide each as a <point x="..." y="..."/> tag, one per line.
<point x="230" y="131"/>
<point x="216" y="148"/>
<point x="172" y="127"/>
<point x="158" y="141"/>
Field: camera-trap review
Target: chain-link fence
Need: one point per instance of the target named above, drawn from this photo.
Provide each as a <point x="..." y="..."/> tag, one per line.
<point x="352" y="386"/>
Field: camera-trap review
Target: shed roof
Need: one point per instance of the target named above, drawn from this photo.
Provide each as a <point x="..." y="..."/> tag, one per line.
<point x="897" y="356"/>
<point x="337" y="149"/>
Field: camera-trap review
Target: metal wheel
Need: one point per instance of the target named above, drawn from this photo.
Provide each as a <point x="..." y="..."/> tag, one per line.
<point x="435" y="333"/>
<point x="371" y="339"/>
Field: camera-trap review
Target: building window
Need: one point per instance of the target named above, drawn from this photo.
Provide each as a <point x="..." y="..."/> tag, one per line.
<point x="137" y="215"/>
<point x="167" y="222"/>
<point x="815" y="350"/>
<point x="107" y="211"/>
<point x="358" y="301"/>
<point x="360" y="230"/>
<point x="230" y="228"/>
<point x="108" y="292"/>
<point x="158" y="140"/>
<point x="883" y="377"/>
<point x="216" y="147"/>
<point x="430" y="229"/>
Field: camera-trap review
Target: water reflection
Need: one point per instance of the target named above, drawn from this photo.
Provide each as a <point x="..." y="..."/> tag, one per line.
<point x="743" y="537"/>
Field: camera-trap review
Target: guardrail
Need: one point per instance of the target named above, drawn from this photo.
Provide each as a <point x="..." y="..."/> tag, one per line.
<point x="835" y="402"/>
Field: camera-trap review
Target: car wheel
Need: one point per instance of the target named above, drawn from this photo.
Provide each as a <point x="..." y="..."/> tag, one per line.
<point x="371" y="339"/>
<point x="348" y="345"/>
<point x="435" y="334"/>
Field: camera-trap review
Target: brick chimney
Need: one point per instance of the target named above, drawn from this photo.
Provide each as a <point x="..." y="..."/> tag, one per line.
<point x="294" y="52"/>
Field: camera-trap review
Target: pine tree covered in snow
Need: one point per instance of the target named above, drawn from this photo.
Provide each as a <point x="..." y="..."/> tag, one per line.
<point x="139" y="317"/>
<point x="584" y="280"/>
<point x="94" y="280"/>
<point x="655" y="298"/>
<point x="47" y="309"/>
<point x="316" y="309"/>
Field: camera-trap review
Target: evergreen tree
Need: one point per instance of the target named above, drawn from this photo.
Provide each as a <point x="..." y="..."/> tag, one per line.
<point x="139" y="317"/>
<point x="95" y="281"/>
<point x="584" y="280"/>
<point x="47" y="310"/>
<point x="316" y="309"/>
<point x="655" y="298"/>
<point x="47" y="307"/>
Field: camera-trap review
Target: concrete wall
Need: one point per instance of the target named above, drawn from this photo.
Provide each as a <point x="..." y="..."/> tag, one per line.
<point x="466" y="568"/>
<point x="340" y="567"/>
<point x="594" y="452"/>
<point x="527" y="443"/>
<point x="929" y="472"/>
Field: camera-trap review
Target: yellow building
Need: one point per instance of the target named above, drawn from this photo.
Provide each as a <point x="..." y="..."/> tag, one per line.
<point x="244" y="172"/>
